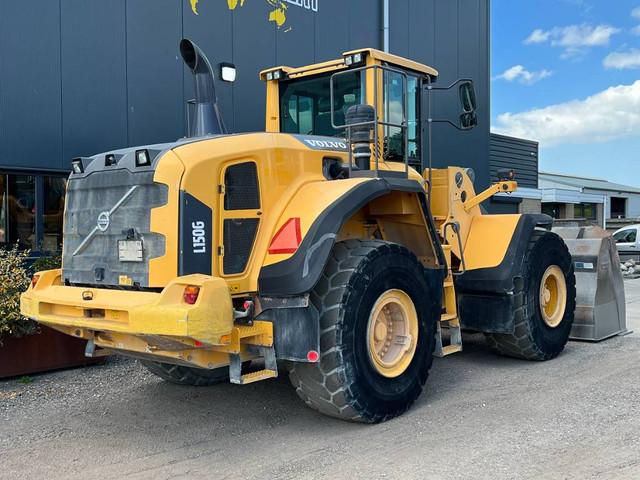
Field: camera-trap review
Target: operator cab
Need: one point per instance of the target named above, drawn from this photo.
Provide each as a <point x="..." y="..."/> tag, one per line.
<point x="315" y="99"/>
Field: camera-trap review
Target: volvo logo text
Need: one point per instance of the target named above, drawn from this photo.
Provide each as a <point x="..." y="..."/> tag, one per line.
<point x="103" y="221"/>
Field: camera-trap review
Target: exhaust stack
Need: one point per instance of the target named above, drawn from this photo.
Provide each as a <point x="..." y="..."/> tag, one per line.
<point x="207" y="119"/>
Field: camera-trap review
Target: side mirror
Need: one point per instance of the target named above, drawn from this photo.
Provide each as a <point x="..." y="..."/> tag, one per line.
<point x="468" y="102"/>
<point x="468" y="97"/>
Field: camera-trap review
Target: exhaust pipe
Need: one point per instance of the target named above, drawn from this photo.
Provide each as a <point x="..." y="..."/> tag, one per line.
<point x="207" y="119"/>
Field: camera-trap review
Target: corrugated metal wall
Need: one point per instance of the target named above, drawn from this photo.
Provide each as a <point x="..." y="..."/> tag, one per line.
<point x="83" y="76"/>
<point x="517" y="154"/>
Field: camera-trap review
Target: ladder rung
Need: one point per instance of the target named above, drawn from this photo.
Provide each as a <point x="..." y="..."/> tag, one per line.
<point x="447" y="317"/>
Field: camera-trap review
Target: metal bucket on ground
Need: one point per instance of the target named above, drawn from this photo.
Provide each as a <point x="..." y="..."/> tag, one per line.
<point x="600" y="303"/>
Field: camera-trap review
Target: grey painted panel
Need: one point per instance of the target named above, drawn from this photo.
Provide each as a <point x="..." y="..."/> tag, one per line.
<point x="212" y="30"/>
<point x="94" y="90"/>
<point x="30" y="105"/>
<point x="154" y="71"/>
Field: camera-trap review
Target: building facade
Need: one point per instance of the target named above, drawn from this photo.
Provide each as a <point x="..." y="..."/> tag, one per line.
<point x="79" y="77"/>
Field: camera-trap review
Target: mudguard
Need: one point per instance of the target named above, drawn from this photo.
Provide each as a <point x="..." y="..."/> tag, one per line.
<point x="300" y="273"/>
<point x="485" y="295"/>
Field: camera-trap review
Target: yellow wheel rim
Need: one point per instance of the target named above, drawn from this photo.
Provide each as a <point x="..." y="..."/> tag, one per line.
<point x="392" y="333"/>
<point x="553" y="296"/>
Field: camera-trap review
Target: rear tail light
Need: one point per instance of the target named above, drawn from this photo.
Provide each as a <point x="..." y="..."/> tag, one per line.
<point x="288" y="238"/>
<point x="190" y="294"/>
<point x="34" y="280"/>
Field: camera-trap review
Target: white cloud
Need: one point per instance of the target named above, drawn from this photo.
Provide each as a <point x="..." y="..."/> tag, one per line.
<point x="623" y="60"/>
<point x="608" y="115"/>
<point x="635" y="13"/>
<point x="522" y="75"/>
<point x="574" y="39"/>
<point x="538" y="36"/>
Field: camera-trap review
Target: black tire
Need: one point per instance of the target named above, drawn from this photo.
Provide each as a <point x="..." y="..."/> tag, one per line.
<point x="344" y="383"/>
<point x="533" y="339"/>
<point x="199" y="377"/>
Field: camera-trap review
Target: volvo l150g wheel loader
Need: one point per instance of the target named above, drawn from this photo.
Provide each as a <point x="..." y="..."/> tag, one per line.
<point x="326" y="246"/>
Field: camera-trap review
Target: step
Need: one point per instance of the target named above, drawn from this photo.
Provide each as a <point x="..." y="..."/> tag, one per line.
<point x="257" y="376"/>
<point x="449" y="349"/>
<point x="447" y="317"/>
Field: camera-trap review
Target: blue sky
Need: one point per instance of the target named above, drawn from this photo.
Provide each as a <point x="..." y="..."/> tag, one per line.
<point x="567" y="73"/>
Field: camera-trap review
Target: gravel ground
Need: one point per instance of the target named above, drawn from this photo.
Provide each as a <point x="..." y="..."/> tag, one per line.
<point x="481" y="417"/>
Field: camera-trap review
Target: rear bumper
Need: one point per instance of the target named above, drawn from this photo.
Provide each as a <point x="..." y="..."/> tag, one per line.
<point x="84" y="311"/>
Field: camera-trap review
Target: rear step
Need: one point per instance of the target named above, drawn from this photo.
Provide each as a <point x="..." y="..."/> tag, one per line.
<point x="270" y="367"/>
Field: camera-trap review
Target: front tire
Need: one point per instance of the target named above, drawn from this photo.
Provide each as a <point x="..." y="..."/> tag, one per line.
<point x="545" y="300"/>
<point x="360" y="376"/>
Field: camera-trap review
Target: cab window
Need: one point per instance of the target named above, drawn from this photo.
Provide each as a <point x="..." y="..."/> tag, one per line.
<point x="305" y="104"/>
<point x="393" y="109"/>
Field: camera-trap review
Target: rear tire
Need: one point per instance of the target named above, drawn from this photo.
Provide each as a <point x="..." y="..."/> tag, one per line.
<point x="539" y="335"/>
<point x="347" y="383"/>
<point x="178" y="374"/>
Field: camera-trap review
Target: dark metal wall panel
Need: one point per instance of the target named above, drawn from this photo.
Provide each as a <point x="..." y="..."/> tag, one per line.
<point x="30" y="105"/>
<point x="453" y="37"/>
<point x="123" y="83"/>
<point x="94" y="77"/>
<point x="212" y="31"/>
<point x="365" y="21"/>
<point x="331" y="33"/>
<point x="518" y="154"/>
<point x="154" y="72"/>
<point x="399" y="21"/>
<point x="295" y="39"/>
<point x="254" y="48"/>
<point x="422" y="31"/>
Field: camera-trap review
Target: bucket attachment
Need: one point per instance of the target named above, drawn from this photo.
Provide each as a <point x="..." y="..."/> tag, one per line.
<point x="600" y="303"/>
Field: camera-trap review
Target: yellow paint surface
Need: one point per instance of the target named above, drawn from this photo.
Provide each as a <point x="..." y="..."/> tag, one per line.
<point x="194" y="6"/>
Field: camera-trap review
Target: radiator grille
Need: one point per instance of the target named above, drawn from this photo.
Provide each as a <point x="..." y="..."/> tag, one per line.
<point x="239" y="235"/>
<point x="241" y="187"/>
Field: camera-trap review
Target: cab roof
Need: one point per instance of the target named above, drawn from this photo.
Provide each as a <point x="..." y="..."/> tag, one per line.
<point x="339" y="64"/>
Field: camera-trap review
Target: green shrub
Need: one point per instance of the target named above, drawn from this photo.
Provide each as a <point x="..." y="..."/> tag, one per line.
<point x="14" y="279"/>
<point x="47" y="263"/>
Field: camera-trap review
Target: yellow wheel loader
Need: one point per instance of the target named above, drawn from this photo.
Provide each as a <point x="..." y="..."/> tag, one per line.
<point x="326" y="247"/>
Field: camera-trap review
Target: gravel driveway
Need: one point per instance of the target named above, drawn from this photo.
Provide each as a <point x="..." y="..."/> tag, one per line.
<point x="481" y="417"/>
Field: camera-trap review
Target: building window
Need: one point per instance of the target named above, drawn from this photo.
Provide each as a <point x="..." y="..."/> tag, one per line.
<point x="552" y="209"/>
<point x="21" y="191"/>
<point x="587" y="211"/>
<point x="54" y="189"/>
<point x="618" y="207"/>
<point x="31" y="211"/>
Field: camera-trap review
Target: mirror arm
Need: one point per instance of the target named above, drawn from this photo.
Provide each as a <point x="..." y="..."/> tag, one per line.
<point x="434" y="120"/>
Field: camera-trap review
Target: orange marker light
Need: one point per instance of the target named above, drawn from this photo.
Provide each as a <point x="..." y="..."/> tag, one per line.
<point x="288" y="238"/>
<point x="190" y="294"/>
<point x="34" y="280"/>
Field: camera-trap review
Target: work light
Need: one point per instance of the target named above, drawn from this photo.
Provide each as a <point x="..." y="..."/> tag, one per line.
<point x="228" y="72"/>
<point x="110" y="160"/>
<point x="76" y="165"/>
<point x="142" y="158"/>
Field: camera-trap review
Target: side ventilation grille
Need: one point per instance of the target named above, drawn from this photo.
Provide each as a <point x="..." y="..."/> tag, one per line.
<point x="241" y="187"/>
<point x="239" y="235"/>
